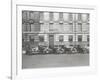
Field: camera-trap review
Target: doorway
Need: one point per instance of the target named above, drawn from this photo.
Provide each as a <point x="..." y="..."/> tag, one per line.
<point x="51" y="40"/>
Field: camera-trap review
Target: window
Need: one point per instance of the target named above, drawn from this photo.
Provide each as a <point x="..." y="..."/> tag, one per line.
<point x="41" y="16"/>
<point x="66" y="16"/>
<point x="41" y="38"/>
<point x="36" y="27"/>
<point x="85" y="27"/>
<point x="70" y="16"/>
<point x="85" y="17"/>
<point x="71" y="27"/>
<point x="31" y="15"/>
<point x="61" y="39"/>
<point x="88" y="38"/>
<point x="56" y="16"/>
<point x="27" y="15"/>
<point x="24" y="37"/>
<point x="79" y="16"/>
<point x="61" y="16"/>
<point x="88" y="15"/>
<point x="24" y="16"/>
<point x="51" y="16"/>
<point x="61" y="28"/>
<point x="70" y="39"/>
<point x="46" y="16"/>
<point x="32" y="27"/>
<point x="28" y="27"/>
<point x="79" y="38"/>
<point x="42" y="27"/>
<point x="51" y="27"/>
<point x="36" y="39"/>
<point x="24" y="27"/>
<point x="36" y="17"/>
<point x="32" y="38"/>
<point x="79" y="27"/>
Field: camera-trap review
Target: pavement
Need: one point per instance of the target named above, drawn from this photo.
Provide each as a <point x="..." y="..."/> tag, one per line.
<point x="57" y="60"/>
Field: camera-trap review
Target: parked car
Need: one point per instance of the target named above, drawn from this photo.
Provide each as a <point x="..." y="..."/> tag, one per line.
<point x="23" y="51"/>
<point x="35" y="50"/>
<point x="86" y="50"/>
<point x="60" y="50"/>
<point x="47" y="50"/>
<point x="73" y="50"/>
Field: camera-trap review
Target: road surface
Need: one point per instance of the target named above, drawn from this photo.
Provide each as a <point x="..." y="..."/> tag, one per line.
<point x="58" y="60"/>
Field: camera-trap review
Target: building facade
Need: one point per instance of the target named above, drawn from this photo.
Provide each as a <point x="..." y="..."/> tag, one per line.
<point x="55" y="28"/>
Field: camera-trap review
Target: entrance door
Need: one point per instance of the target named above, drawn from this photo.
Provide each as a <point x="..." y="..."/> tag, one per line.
<point x="51" y="40"/>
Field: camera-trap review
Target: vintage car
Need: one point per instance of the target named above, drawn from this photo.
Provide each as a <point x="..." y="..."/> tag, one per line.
<point x="73" y="50"/>
<point x="60" y="50"/>
<point x="35" y="50"/>
<point x="47" y="50"/>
